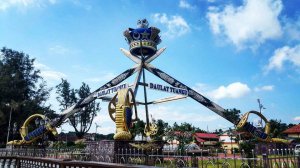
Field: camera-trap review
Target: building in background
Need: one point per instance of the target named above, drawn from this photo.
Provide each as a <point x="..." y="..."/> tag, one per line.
<point x="293" y="132"/>
<point x="206" y="140"/>
<point x="228" y="142"/>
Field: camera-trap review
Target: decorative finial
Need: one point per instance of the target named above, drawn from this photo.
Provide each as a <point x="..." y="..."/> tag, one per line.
<point x="143" y="40"/>
<point x="142" y="23"/>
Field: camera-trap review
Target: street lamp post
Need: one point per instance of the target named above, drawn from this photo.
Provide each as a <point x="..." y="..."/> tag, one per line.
<point x="39" y="123"/>
<point x="13" y="135"/>
<point x="97" y="126"/>
<point x="260" y="108"/>
<point x="66" y="135"/>
<point x="61" y="132"/>
<point x="8" y="129"/>
<point x="230" y="135"/>
<point x="13" y="106"/>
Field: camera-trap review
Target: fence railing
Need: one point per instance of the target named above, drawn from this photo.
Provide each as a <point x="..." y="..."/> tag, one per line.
<point x="37" y="162"/>
<point x="196" y="158"/>
<point x="281" y="158"/>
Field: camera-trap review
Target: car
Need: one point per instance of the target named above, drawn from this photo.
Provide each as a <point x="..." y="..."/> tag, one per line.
<point x="297" y="150"/>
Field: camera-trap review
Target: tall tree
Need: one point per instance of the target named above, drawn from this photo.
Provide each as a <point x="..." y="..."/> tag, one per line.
<point x="183" y="133"/>
<point x="232" y="114"/>
<point x="23" y="91"/>
<point x="66" y="96"/>
<point x="82" y="120"/>
<point x="162" y="128"/>
<point x="276" y="128"/>
<point x="138" y="128"/>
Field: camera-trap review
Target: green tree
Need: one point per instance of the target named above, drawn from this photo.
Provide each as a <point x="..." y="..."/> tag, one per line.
<point x="183" y="133"/>
<point x="23" y="90"/>
<point x="163" y="127"/>
<point x="197" y="129"/>
<point x="219" y="131"/>
<point x="66" y="96"/>
<point x="82" y="120"/>
<point x="276" y="128"/>
<point x="291" y="125"/>
<point x="232" y="114"/>
<point x="138" y="128"/>
<point x="247" y="148"/>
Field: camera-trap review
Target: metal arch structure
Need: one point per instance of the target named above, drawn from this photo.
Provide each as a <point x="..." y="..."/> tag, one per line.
<point x="143" y="43"/>
<point x="143" y="61"/>
<point x="242" y="123"/>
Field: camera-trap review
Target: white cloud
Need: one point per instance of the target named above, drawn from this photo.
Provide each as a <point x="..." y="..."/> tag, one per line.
<point x="248" y="25"/>
<point x="176" y="25"/>
<point x="53" y="75"/>
<point x="47" y="73"/>
<point x="53" y="1"/>
<point x="233" y="90"/>
<point x="102" y="117"/>
<point x="103" y="77"/>
<point x="10" y="3"/>
<point x="107" y="126"/>
<point x="283" y="55"/>
<point x="82" y="4"/>
<point x="175" y="114"/>
<point x="264" y="88"/>
<point x="23" y="4"/>
<point x="292" y="29"/>
<point x="40" y="66"/>
<point x="60" y="50"/>
<point x="201" y="87"/>
<point x="106" y="130"/>
<point x="297" y="118"/>
<point x="1" y="56"/>
<point x="185" y="4"/>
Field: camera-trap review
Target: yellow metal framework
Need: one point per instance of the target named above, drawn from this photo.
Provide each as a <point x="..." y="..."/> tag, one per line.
<point x="122" y="101"/>
<point x="24" y="130"/>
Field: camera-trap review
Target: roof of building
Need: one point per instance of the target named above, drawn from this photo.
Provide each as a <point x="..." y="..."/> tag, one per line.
<point x="206" y="136"/>
<point x="199" y="139"/>
<point x="294" y="129"/>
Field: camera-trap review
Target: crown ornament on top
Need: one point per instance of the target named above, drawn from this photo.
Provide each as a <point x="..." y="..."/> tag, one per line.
<point x="142" y="40"/>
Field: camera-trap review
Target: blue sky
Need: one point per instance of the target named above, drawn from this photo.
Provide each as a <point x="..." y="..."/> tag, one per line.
<point x="233" y="52"/>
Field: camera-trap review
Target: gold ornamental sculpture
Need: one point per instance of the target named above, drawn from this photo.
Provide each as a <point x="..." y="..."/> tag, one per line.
<point x="29" y="138"/>
<point x="121" y="109"/>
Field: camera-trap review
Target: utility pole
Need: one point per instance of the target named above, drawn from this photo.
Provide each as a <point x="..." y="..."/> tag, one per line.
<point x="260" y="108"/>
<point x="8" y="130"/>
<point x="97" y="126"/>
<point x="66" y="136"/>
<point x="13" y="106"/>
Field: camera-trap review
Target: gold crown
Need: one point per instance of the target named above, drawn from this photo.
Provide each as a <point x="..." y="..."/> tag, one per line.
<point x="143" y="47"/>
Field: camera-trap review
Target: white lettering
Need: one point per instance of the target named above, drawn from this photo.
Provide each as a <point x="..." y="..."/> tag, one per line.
<point x="168" y="89"/>
<point x="111" y="90"/>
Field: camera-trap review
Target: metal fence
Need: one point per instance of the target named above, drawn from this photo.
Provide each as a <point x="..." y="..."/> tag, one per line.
<point x="281" y="158"/>
<point x="37" y="162"/>
<point x="192" y="158"/>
